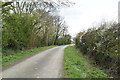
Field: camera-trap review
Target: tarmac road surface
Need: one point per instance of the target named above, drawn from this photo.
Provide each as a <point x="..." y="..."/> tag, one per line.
<point x="46" y="64"/>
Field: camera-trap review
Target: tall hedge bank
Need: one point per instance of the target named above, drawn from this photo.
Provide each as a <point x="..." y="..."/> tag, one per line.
<point x="102" y="44"/>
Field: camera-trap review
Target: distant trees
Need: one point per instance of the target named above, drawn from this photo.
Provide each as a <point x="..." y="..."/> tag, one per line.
<point x="32" y="24"/>
<point x="66" y="39"/>
<point x="102" y="45"/>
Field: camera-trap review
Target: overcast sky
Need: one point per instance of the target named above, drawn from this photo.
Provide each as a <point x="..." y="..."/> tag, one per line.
<point x="86" y="13"/>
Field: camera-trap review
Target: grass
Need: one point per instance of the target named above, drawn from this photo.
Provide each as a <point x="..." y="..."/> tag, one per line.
<point x="77" y="66"/>
<point x="11" y="59"/>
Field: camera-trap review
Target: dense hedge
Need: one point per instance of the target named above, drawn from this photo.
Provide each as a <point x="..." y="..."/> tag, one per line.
<point x="102" y="45"/>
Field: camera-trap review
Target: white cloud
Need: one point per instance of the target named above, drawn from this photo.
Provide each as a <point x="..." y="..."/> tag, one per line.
<point x="86" y="12"/>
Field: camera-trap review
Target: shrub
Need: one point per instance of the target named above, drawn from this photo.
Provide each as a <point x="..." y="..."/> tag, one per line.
<point x="102" y="45"/>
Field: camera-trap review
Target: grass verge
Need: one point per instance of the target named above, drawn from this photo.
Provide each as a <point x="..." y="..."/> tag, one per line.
<point x="11" y="59"/>
<point x="77" y="66"/>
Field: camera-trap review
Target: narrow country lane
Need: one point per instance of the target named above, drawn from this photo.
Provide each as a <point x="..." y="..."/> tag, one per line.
<point x="46" y="64"/>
